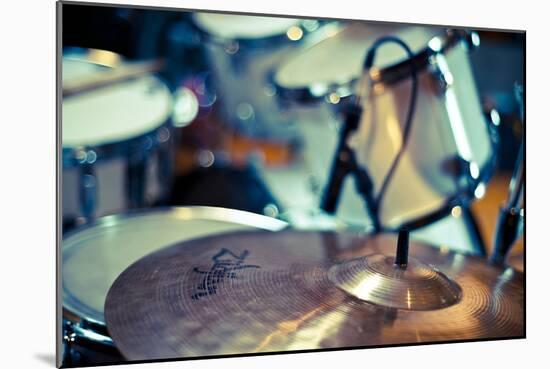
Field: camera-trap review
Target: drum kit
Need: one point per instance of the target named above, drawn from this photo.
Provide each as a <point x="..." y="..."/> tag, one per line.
<point x="394" y="108"/>
<point x="116" y="137"/>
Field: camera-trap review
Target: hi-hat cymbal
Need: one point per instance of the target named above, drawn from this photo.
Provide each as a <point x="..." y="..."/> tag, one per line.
<point x="249" y="292"/>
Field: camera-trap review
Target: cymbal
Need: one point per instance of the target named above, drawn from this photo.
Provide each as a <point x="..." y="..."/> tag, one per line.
<point x="254" y="291"/>
<point x="375" y="279"/>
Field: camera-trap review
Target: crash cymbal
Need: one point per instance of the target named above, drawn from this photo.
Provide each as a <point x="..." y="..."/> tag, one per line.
<point x="249" y="292"/>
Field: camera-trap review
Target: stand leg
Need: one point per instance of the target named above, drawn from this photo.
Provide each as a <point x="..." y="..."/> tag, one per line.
<point x="340" y="169"/>
<point x="165" y="162"/>
<point x="344" y="164"/>
<point x="474" y="231"/>
<point x="135" y="181"/>
<point x="88" y="191"/>
<point x="364" y="186"/>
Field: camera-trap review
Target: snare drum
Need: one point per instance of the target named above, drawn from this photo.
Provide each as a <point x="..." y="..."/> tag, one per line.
<point x="94" y="255"/>
<point x="242" y="50"/>
<point x="116" y="142"/>
<point x="449" y="155"/>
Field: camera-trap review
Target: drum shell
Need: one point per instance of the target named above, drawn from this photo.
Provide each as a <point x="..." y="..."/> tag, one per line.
<point x="118" y="138"/>
<point x="242" y="70"/>
<point x="449" y="152"/>
<point x="111" y="176"/>
<point x="248" y="108"/>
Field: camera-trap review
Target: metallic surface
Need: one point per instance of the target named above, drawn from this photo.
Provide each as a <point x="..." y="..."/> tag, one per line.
<point x="95" y="254"/>
<point x="376" y="279"/>
<point x="511" y="218"/>
<point x="261" y="292"/>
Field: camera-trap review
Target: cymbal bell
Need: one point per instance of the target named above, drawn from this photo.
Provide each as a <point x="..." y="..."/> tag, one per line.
<point x="376" y="279"/>
<point x="249" y="292"/>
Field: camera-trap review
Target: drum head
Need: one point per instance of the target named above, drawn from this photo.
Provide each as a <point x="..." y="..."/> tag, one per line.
<point x="114" y="113"/>
<point x="338" y="60"/>
<point x="92" y="258"/>
<point x="234" y="26"/>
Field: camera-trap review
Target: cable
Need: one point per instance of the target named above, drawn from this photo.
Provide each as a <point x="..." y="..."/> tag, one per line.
<point x="369" y="61"/>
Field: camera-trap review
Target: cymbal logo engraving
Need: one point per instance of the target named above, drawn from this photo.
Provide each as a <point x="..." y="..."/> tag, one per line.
<point x="226" y="264"/>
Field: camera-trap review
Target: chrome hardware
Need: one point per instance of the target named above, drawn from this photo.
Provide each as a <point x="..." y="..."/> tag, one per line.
<point x="511" y="220"/>
<point x="88" y="191"/>
<point x="470" y="39"/>
<point x="232" y="47"/>
<point x="440" y="73"/>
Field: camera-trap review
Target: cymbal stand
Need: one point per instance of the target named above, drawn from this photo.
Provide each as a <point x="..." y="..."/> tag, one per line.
<point x="510" y="222"/>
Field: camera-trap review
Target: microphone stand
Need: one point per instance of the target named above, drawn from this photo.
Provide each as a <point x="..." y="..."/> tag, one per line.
<point x="345" y="162"/>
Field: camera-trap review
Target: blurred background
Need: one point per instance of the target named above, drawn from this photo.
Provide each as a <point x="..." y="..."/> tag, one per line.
<point x="230" y="121"/>
<point x="275" y="122"/>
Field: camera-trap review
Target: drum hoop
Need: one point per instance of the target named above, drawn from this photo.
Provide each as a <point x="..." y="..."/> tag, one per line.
<point x="258" y="42"/>
<point x="385" y="77"/>
<point x="462" y="198"/>
<point x="191" y="212"/>
<point x="114" y="149"/>
<point x="111" y="150"/>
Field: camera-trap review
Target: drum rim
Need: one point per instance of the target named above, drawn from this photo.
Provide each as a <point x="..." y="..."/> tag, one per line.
<point x="193" y="212"/>
<point x="381" y="78"/>
<point x="112" y="149"/>
<point x="257" y="42"/>
<point x="460" y="198"/>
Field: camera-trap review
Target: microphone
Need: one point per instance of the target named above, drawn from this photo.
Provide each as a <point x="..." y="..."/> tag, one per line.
<point x="344" y="160"/>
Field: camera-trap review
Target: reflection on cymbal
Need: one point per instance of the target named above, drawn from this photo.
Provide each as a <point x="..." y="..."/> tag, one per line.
<point x="250" y="292"/>
<point x="377" y="280"/>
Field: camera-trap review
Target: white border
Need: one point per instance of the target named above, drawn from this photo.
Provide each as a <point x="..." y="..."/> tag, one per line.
<point x="27" y="178"/>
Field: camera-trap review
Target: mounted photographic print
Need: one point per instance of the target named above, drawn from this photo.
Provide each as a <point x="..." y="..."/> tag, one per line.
<point x="237" y="184"/>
